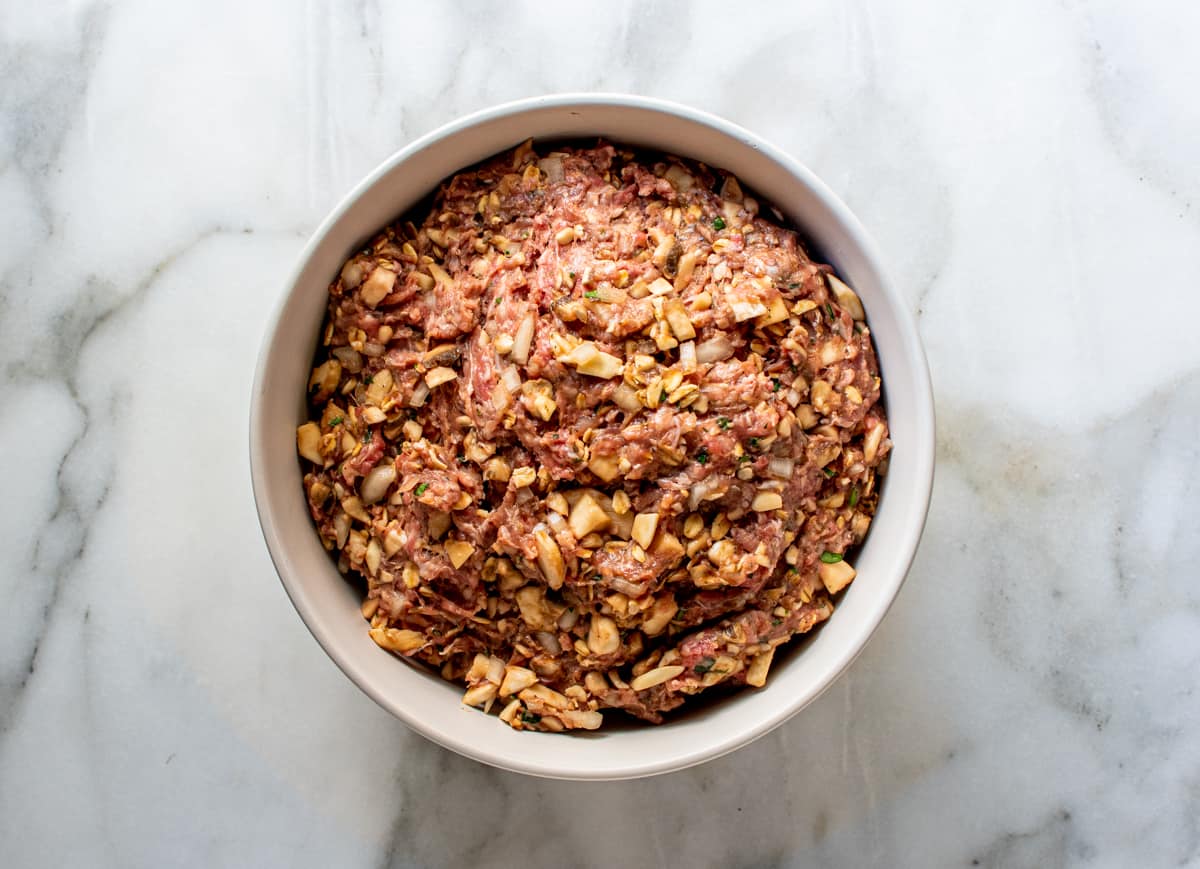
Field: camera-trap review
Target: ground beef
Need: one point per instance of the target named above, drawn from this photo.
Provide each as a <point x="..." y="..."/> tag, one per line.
<point x="595" y="433"/>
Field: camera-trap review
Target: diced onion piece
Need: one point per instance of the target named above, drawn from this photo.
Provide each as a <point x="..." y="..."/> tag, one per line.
<point x="377" y="286"/>
<point x="644" y="526"/>
<point x="687" y="356"/>
<point x="714" y="350"/>
<point x="604" y="467"/>
<point x="631" y="589"/>
<point x="517" y="679"/>
<point x="744" y="310"/>
<point x="586" y="516"/>
<point x="661" y="286"/>
<point x="308" y="440"/>
<point x="835" y="576"/>
<point x="776" y="313"/>
<point x="680" y="178"/>
<point x="420" y="393"/>
<point x="550" y="558"/>
<point x="511" y="378"/>
<point x="756" y="673"/>
<point x="350" y="359"/>
<point x="677" y="319"/>
<point x="702" y="490"/>
<point x="590" y="360"/>
<point x="377" y="482"/>
<point x="846" y="297"/>
<point x="437" y="376"/>
<point x="549" y="642"/>
<point x="781" y="467"/>
<point x="523" y="340"/>
<point x="625" y="397"/>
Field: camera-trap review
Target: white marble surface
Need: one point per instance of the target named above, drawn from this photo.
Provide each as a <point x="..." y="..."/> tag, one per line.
<point x="1029" y="169"/>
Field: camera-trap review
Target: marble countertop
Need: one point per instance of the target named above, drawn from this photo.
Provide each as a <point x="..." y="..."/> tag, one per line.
<point x="1029" y="171"/>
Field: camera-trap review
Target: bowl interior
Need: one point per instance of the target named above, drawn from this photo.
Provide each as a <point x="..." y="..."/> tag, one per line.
<point x="329" y="604"/>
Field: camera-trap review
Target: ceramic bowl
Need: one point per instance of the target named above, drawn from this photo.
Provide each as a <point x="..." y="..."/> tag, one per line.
<point x="329" y="604"/>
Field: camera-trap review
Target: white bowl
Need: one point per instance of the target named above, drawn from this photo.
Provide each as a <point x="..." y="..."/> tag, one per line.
<point x="329" y="605"/>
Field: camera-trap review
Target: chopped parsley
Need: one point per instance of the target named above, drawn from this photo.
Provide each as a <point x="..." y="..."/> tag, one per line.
<point x="745" y="458"/>
<point x="702" y="457"/>
<point x="704" y="666"/>
<point x="368" y="378"/>
<point x="366" y="436"/>
<point x="420" y="490"/>
<point x="776" y="622"/>
<point x="829" y="311"/>
<point x="337" y="420"/>
<point x="530" y="717"/>
<point x="752" y="443"/>
<point x="496" y="301"/>
<point x="594" y="295"/>
<point x="828" y="472"/>
<point x="854" y="497"/>
<point x="719" y="224"/>
<point x="723" y="422"/>
<point x="830" y="557"/>
<point x="571" y="275"/>
<point x="778" y="383"/>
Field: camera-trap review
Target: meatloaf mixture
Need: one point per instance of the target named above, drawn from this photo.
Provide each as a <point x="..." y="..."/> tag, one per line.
<point x="595" y="433"/>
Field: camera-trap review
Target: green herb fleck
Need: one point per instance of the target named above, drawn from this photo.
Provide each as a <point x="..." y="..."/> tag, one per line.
<point x="828" y="472"/>
<point x="702" y="457"/>
<point x="829" y="310"/>
<point x="719" y="224"/>
<point x="337" y="420"/>
<point x="830" y="557"/>
<point x="420" y="490"/>
<point x="594" y="295"/>
<point x="366" y="436"/>
<point x="723" y="422"/>
<point x="854" y="497"/>
<point x="530" y="717"/>
<point x="744" y="458"/>
<point x="776" y="622"/>
<point x="497" y="300"/>
<point x="778" y="383"/>
<point x="752" y="443"/>
<point x="571" y="275"/>
<point x="367" y="380"/>
<point x="704" y="666"/>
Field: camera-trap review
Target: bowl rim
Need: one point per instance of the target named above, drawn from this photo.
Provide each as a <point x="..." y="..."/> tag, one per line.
<point x="922" y="405"/>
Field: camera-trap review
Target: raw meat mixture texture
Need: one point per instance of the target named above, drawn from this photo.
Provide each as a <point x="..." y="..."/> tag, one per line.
<point x="596" y="433"/>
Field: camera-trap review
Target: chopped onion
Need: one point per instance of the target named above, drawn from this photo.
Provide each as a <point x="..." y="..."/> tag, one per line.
<point x="549" y="642"/>
<point x="687" y="355"/>
<point x="553" y="167"/>
<point x="633" y="589"/>
<point x="377" y="481"/>
<point x="523" y="340"/>
<point x="626" y="398"/>
<point x="501" y="396"/>
<point x="781" y="467"/>
<point x="511" y="378"/>
<point x="350" y="359"/>
<point x="341" y="528"/>
<point x="702" y="490"/>
<point x="419" y="394"/>
<point x="714" y="350"/>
